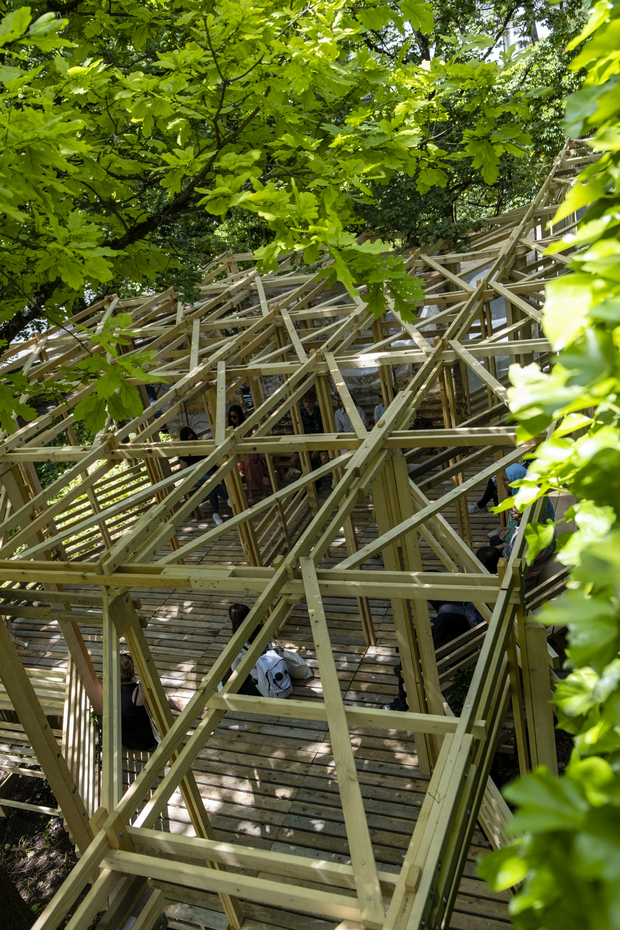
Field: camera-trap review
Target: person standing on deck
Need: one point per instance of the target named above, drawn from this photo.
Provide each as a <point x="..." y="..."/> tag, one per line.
<point x="251" y="468"/>
<point x="187" y="434"/>
<point x="312" y="423"/>
<point x="136" y="729"/>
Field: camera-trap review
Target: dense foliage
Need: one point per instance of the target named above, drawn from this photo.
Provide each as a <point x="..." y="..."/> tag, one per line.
<point x="120" y="120"/>
<point x="567" y="850"/>
<point x="129" y="129"/>
<point x="531" y="40"/>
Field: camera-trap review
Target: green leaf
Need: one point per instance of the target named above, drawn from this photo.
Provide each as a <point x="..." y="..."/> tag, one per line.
<point x="505" y="868"/>
<point x="125" y="403"/>
<point x="92" y="410"/>
<point x="580" y="195"/>
<point x="566" y="308"/>
<point x="8" y="74"/>
<point x="545" y="803"/>
<point x="538" y="536"/>
<point x="572" y="423"/>
<point x="575" y="694"/>
<point x="14" y="25"/>
<point x="594" y="634"/>
<point x="419" y="13"/>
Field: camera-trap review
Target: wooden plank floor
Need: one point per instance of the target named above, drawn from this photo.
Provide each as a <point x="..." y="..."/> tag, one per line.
<point x="271" y="783"/>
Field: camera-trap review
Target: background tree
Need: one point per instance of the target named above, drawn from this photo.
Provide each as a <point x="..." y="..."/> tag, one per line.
<point x="532" y="40"/>
<point x="143" y="115"/>
<point x="567" y="853"/>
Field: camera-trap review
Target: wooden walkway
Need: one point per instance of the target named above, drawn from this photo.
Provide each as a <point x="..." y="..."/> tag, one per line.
<point x="270" y="783"/>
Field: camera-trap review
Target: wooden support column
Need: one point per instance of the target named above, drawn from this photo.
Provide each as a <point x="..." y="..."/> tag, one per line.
<point x="112" y="769"/>
<point x="517" y="700"/>
<point x="154" y="468"/>
<point x="92" y="496"/>
<point x="256" y="389"/>
<point x="128" y="625"/>
<point x="541" y="724"/>
<point x="298" y="428"/>
<point x="405" y="636"/>
<point x="236" y="492"/>
<point x="258" y="398"/>
<point x="413" y="563"/>
<point x="454" y="417"/>
<point x="273" y="478"/>
<point x="212" y="399"/>
<point x="449" y="421"/>
<point x="369" y="896"/>
<point x="46" y="749"/>
<point x="350" y="535"/>
<point x="385" y="374"/>
<point x="305" y="460"/>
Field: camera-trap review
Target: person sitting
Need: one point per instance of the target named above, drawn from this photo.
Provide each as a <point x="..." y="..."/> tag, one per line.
<point x="343" y="421"/>
<point x="237" y="614"/>
<point x="270" y="675"/>
<point x="312" y="423"/>
<point x="489" y="556"/>
<point x="378" y="411"/>
<point x="508" y="534"/>
<point x="534" y="568"/>
<point x="512" y="473"/>
<point x="502" y="544"/>
<point x="136" y="730"/>
<point x="451" y="621"/>
<point x="382" y="406"/>
<point x="187" y="434"/>
<point x="251" y="468"/>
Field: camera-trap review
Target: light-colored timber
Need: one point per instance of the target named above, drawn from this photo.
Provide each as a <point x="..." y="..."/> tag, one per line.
<point x="323" y="810"/>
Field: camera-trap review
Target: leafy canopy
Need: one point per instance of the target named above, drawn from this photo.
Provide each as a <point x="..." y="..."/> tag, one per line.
<point x="536" y="71"/>
<point x="567" y="848"/>
<point x="121" y="119"/>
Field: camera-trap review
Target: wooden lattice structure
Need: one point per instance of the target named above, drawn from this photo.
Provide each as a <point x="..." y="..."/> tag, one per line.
<point x="83" y="557"/>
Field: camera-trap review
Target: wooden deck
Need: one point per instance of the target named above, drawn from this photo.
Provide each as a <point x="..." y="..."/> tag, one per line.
<point x="270" y="783"/>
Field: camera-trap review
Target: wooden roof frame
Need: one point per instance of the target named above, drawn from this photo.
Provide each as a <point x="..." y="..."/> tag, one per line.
<point x="282" y="332"/>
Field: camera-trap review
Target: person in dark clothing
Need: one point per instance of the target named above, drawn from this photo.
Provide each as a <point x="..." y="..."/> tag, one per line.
<point x="136" y="730"/>
<point x="187" y="434"/>
<point x="489" y="556"/>
<point x="312" y="423"/>
<point x="451" y="621"/>
<point x="237" y="614"/>
<point x="400" y="701"/>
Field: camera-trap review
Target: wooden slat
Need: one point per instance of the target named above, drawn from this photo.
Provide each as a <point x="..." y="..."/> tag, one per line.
<point x="362" y="857"/>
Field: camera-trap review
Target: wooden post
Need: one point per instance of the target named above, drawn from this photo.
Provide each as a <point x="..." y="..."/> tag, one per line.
<point x="329" y="424"/>
<point x="516" y="693"/>
<point x="112" y="756"/>
<point x="408" y="648"/>
<point x="46" y="749"/>
<point x="541" y="724"/>
<point x="369" y="894"/>
<point x="127" y="624"/>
